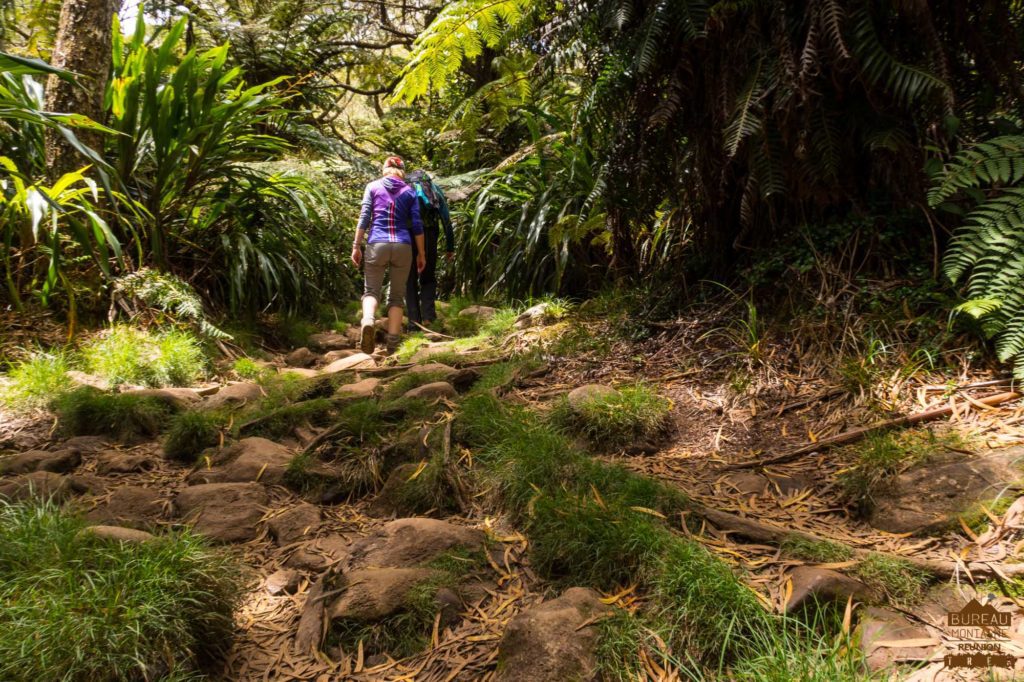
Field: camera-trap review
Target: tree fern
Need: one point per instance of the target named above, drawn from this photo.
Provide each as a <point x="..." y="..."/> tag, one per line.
<point x="989" y="247"/>
<point x="460" y="32"/>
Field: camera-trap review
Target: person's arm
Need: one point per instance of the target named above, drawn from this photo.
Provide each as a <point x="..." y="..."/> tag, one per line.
<point x="446" y="220"/>
<point x="365" y="218"/>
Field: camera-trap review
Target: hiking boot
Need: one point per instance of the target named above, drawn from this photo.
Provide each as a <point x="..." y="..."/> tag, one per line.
<point x="392" y="343"/>
<point x="367" y="337"/>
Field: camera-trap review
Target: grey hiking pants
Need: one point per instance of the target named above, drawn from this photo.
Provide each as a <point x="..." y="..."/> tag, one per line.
<point x="394" y="257"/>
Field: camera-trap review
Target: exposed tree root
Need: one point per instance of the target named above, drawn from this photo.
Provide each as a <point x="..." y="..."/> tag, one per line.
<point x="858" y="434"/>
<point x="762" y="532"/>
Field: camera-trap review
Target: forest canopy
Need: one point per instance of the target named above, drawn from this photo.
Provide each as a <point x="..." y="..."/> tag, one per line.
<point x="673" y="140"/>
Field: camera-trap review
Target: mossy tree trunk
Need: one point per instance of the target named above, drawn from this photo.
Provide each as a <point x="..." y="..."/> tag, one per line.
<point x="83" y="46"/>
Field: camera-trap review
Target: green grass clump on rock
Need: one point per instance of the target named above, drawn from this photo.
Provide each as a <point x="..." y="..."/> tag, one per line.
<point x="398" y="386"/>
<point x="88" y="411"/>
<point x="630" y="415"/>
<point x="900" y="581"/>
<point x="822" y="552"/>
<point x="81" y="608"/>
<point x="191" y="432"/>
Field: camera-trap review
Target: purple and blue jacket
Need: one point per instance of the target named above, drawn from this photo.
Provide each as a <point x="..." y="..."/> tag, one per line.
<point x="390" y="212"/>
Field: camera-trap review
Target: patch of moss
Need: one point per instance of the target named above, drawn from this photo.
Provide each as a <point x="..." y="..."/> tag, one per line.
<point x="88" y="411"/>
<point x="633" y="414"/>
<point x="823" y="552"/>
<point x="191" y="432"/>
<point x="901" y="582"/>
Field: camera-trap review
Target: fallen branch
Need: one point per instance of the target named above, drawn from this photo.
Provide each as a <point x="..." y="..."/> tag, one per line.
<point x="857" y="434"/>
<point x="762" y="532"/>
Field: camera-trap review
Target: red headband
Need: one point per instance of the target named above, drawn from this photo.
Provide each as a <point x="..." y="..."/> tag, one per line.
<point x="394" y="162"/>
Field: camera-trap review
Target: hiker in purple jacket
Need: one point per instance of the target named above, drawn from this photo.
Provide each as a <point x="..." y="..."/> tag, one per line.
<point x="391" y="214"/>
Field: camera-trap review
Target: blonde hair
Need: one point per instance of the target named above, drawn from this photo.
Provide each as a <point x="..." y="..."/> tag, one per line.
<point x="391" y="171"/>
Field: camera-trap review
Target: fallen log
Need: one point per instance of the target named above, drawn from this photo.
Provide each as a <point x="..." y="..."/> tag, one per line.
<point x="857" y="434"/>
<point x="763" y="532"/>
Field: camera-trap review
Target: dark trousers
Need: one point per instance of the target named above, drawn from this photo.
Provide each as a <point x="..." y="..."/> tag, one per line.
<point x="422" y="288"/>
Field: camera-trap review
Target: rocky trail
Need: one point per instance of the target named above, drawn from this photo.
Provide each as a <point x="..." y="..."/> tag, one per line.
<point x="348" y="583"/>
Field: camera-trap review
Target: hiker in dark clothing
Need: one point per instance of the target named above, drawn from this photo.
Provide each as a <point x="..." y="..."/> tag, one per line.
<point x="421" y="290"/>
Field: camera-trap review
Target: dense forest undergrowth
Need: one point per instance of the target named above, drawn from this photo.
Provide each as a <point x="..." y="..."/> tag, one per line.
<point x="723" y="383"/>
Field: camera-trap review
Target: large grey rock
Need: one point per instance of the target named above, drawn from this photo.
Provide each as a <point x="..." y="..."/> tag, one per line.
<point x="327" y="341"/>
<point x="553" y="641"/>
<point x="442" y="371"/>
<point x="234" y="395"/>
<point x="41" y="485"/>
<point x="130" y="506"/>
<point x="58" y="461"/>
<point x="333" y="355"/>
<point x="250" y="459"/>
<point x="480" y="312"/>
<point x="175" y="398"/>
<point x="931" y="496"/>
<point x="360" y="389"/>
<point x="301" y="357"/>
<point x="579" y="398"/>
<point x="301" y="372"/>
<point x="224" y="512"/>
<point x="432" y="391"/>
<point x="295" y="523"/>
<point x="117" y="462"/>
<point x="412" y="542"/>
<point x="877" y="627"/>
<point x="284" y="580"/>
<point x="374" y="593"/>
<point x="534" y="316"/>
<point x="812" y="583"/>
<point x="357" y="361"/>
<point x="319" y="553"/>
<point x="118" y="534"/>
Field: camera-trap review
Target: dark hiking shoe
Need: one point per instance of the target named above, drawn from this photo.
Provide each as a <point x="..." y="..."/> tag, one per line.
<point x="367" y="338"/>
<point x="392" y="343"/>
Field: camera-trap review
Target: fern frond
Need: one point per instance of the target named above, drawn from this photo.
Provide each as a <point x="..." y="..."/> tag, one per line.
<point x="460" y="32"/>
<point x="999" y="161"/>
<point x="905" y="82"/>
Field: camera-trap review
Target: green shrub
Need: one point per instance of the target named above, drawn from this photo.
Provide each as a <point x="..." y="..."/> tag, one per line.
<point x="126" y="355"/>
<point x="78" y="607"/>
<point x="632" y="414"/>
<point x="247" y="368"/>
<point x="191" y="432"/>
<point x="87" y="411"/>
<point x="35" y="382"/>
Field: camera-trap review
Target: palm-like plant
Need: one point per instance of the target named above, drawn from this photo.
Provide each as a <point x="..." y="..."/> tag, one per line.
<point x="193" y="148"/>
<point x="45" y="224"/>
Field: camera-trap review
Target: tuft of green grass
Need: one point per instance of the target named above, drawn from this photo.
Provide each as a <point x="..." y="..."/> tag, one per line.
<point x="408" y="347"/>
<point x="823" y="552"/>
<point x="499" y="326"/>
<point x="77" y="607"/>
<point x="632" y="414"/>
<point x="247" y="368"/>
<point x="191" y="432"/>
<point x="416" y="489"/>
<point x="36" y="381"/>
<point x="126" y="355"/>
<point x="901" y="582"/>
<point x="87" y="411"/>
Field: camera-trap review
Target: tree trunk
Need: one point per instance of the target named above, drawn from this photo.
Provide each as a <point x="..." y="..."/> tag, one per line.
<point x="83" y="46"/>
